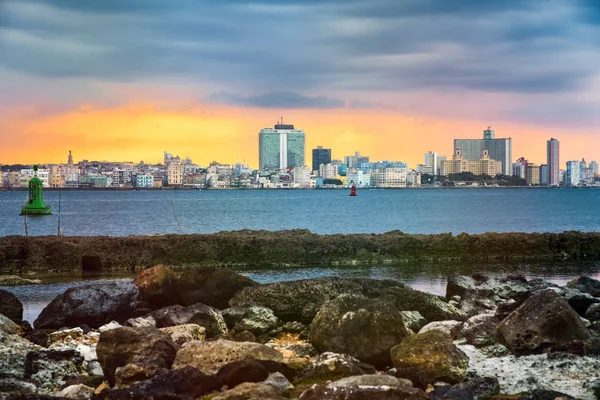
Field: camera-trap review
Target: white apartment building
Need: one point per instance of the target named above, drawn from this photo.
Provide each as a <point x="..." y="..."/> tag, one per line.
<point x="392" y="177"/>
<point x="358" y="178"/>
<point x="27" y="174"/>
<point x="302" y="176"/>
<point x="328" y="171"/>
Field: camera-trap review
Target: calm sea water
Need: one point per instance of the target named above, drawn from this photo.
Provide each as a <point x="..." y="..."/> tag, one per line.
<point x="122" y="213"/>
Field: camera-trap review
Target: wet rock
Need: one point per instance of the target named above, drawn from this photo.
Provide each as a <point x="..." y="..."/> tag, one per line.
<point x="585" y="284"/>
<point x="211" y="286"/>
<point x="122" y="346"/>
<point x="365" y="388"/>
<point x="14" y="280"/>
<point x="536" y="284"/>
<point x="279" y="382"/>
<point x="39" y="336"/>
<point x="451" y="329"/>
<point x="430" y="306"/>
<point x="238" y="372"/>
<point x="256" y="319"/>
<point x="52" y="367"/>
<point x="330" y="366"/>
<point x="76" y="392"/>
<point x="543" y="394"/>
<point x="581" y="302"/>
<point x="477" y="388"/>
<point x="158" y="286"/>
<point x="250" y="391"/>
<point x="480" y="330"/>
<point x="132" y="373"/>
<point x="208" y="317"/>
<point x="434" y="355"/>
<point x="371" y="380"/>
<point x="93" y="305"/>
<point x="542" y="320"/>
<point x="593" y="312"/>
<point x="8" y="326"/>
<point x="13" y="352"/>
<point x="107" y="327"/>
<point x="413" y="320"/>
<point x="184" y="383"/>
<point x="140" y="322"/>
<point x="14" y="385"/>
<point x="505" y="308"/>
<point x="417" y="378"/>
<point x="360" y="327"/>
<point x="211" y="356"/>
<point x="10" y="306"/>
<point x="182" y="334"/>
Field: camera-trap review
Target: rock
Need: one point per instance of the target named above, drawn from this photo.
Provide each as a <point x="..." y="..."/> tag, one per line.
<point x="208" y="317"/>
<point x="52" y="367"/>
<point x="10" y="306"/>
<point x="477" y="388"/>
<point x="76" y="392"/>
<point x="211" y="286"/>
<point x="450" y="328"/>
<point x="330" y="366"/>
<point x="93" y="305"/>
<point x="132" y="373"/>
<point x="122" y="346"/>
<point x="434" y="355"/>
<point x="505" y="308"/>
<point x="244" y="336"/>
<point x="94" y="368"/>
<point x="140" y="322"/>
<point x="585" y="284"/>
<point x="279" y="382"/>
<point x="211" y="356"/>
<point x="542" y="320"/>
<point x="182" y="334"/>
<point x="183" y="383"/>
<point x="430" y="306"/>
<point x="365" y="388"/>
<point x="293" y="327"/>
<point x="39" y="336"/>
<point x="360" y="327"/>
<point x="373" y="380"/>
<point x="256" y="319"/>
<point x="536" y="284"/>
<point x="581" y="302"/>
<point x="250" y="391"/>
<point x="509" y="287"/>
<point x="239" y="372"/>
<point x="68" y="335"/>
<point x="14" y="385"/>
<point x="543" y="394"/>
<point x="593" y="312"/>
<point x="13" y="352"/>
<point x="158" y="286"/>
<point x="14" y="280"/>
<point x="415" y="376"/>
<point x="8" y="326"/>
<point x="480" y="330"/>
<point x="413" y="320"/>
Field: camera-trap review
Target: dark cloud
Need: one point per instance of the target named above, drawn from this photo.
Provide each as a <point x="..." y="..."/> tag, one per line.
<point x="276" y="100"/>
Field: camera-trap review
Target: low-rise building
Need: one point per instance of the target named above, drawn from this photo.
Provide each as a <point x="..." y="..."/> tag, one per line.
<point x="144" y="181"/>
<point x="358" y="178"/>
<point x="484" y="166"/>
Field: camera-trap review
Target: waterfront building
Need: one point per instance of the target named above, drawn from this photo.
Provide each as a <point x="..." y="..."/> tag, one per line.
<point x="96" y="180"/>
<point x="573" y="173"/>
<point x="27" y="174"/>
<point x="174" y="173"/>
<point x="14" y="179"/>
<point x="594" y="167"/>
<point x="533" y="174"/>
<point x="499" y="149"/>
<point x="520" y="168"/>
<point x="425" y="169"/>
<point x="122" y="177"/>
<point x="431" y="162"/>
<point x="328" y="171"/>
<point x="413" y="178"/>
<point x="356" y="160"/>
<point x="483" y="166"/>
<point x="390" y="174"/>
<point x="302" y="177"/>
<point x="552" y="159"/>
<point x="358" y="178"/>
<point x="545" y="175"/>
<point x="320" y="156"/>
<point x="281" y="147"/>
<point x="144" y="180"/>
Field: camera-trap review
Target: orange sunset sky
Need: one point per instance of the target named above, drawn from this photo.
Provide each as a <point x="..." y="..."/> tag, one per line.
<point x="127" y="83"/>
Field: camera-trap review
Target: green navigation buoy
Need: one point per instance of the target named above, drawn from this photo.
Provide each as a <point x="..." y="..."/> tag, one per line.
<point x="35" y="201"/>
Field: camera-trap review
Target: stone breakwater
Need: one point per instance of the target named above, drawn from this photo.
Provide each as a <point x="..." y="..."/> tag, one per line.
<point x="211" y="333"/>
<point x="19" y="255"/>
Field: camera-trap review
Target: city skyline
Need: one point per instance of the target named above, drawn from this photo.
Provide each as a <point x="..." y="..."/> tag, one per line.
<point x="201" y="79"/>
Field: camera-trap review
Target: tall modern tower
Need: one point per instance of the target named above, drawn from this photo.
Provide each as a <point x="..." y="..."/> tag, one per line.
<point x="281" y="147"/>
<point x="552" y="157"/>
<point x="499" y="149"/>
<point x="320" y="156"/>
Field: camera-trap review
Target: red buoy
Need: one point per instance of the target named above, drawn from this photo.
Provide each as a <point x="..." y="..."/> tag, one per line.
<point x="353" y="191"/>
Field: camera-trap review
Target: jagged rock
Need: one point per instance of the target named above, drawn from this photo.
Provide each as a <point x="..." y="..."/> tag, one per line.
<point x="279" y="382"/>
<point x="13" y="351"/>
<point x="208" y="317"/>
<point x="450" y="328"/>
<point x="328" y="366"/>
<point x="368" y="387"/>
<point x="581" y="302"/>
<point x="593" y="313"/>
<point x="360" y="327"/>
<point x="10" y="306"/>
<point x="122" y="346"/>
<point x="417" y="378"/>
<point x="76" y="392"/>
<point x="211" y="356"/>
<point x="238" y="372"/>
<point x="52" y="367"/>
<point x="158" y="286"/>
<point x="182" y="334"/>
<point x="107" y="327"/>
<point x="140" y="322"/>
<point x="211" y="286"/>
<point x="94" y="368"/>
<point x="39" y="336"/>
<point x="184" y="383"/>
<point x="132" y="373"/>
<point x="256" y="319"/>
<point x="293" y="327"/>
<point x="473" y="304"/>
<point x="537" y="284"/>
<point x="506" y="307"/>
<point x="14" y="385"/>
<point x="67" y="335"/>
<point x="250" y="391"/>
<point x="476" y="388"/>
<point x="243" y="336"/>
<point x="8" y="326"/>
<point x="372" y="380"/>
<point x="508" y="287"/>
<point x="585" y="284"/>
<point x="480" y="330"/>
<point x="413" y="320"/>
<point x="93" y="305"/>
<point x="434" y="355"/>
<point x="430" y="306"/>
<point x="542" y="320"/>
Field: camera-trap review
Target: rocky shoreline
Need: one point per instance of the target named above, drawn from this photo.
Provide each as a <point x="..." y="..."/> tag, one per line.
<point x="211" y="333"/>
<point x="50" y="254"/>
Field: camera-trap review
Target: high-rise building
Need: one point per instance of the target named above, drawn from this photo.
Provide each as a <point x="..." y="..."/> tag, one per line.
<point x="594" y="167"/>
<point x="544" y="175"/>
<point x="281" y="147"/>
<point x="356" y="160"/>
<point x="320" y="156"/>
<point x="573" y="173"/>
<point x="552" y="159"/>
<point x="498" y="149"/>
<point x="483" y="166"/>
<point x="431" y="160"/>
<point x="533" y="174"/>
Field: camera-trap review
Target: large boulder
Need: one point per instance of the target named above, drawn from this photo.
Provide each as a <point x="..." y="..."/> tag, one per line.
<point x="413" y="320"/>
<point x="581" y="302"/>
<point x="360" y="327"/>
<point x="585" y="284"/>
<point x="432" y="354"/>
<point x="211" y="286"/>
<point x="51" y="368"/>
<point x="181" y="334"/>
<point x="132" y="373"/>
<point x="157" y="286"/>
<point x="251" y="391"/>
<point x="207" y="317"/>
<point x="480" y="330"/>
<point x="92" y="305"/>
<point x="592" y="314"/>
<point x="328" y="366"/>
<point x="430" y="306"/>
<point x="239" y="372"/>
<point x="256" y="319"/>
<point x="8" y="326"/>
<point x="211" y="356"/>
<point x="10" y="306"/>
<point x="365" y="387"/>
<point x="121" y="346"/>
<point x="13" y="354"/>
<point x="506" y="287"/>
<point x="543" y="320"/>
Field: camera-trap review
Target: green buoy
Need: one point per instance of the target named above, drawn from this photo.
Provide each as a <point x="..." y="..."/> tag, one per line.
<point x="35" y="200"/>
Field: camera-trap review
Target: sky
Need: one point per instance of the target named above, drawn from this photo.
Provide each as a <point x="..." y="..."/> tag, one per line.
<point x="125" y="80"/>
